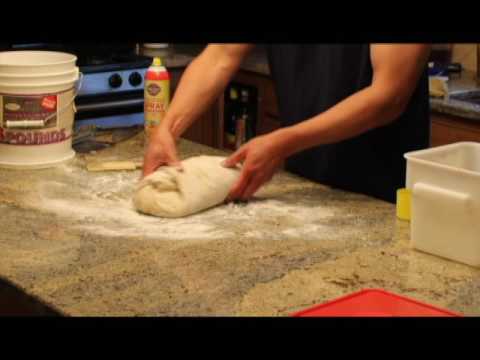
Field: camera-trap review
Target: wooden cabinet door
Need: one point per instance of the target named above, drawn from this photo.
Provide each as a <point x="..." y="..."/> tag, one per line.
<point x="208" y="130"/>
<point x="270" y="120"/>
<point x="270" y="104"/>
<point x="267" y="115"/>
<point x="449" y="129"/>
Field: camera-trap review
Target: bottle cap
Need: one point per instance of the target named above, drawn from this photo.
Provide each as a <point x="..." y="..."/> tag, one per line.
<point x="157" y="61"/>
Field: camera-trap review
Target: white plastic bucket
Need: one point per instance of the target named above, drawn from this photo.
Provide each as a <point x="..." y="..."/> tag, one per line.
<point x="36" y="62"/>
<point x="29" y="80"/>
<point x="37" y="92"/>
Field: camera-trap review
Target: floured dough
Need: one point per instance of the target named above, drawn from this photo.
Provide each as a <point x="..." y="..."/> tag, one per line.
<point x="169" y="193"/>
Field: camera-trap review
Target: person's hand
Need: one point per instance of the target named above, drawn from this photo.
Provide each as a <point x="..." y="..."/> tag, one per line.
<point x="161" y="151"/>
<point x="261" y="157"/>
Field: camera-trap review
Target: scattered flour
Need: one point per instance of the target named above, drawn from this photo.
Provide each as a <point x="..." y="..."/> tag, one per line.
<point x="102" y="204"/>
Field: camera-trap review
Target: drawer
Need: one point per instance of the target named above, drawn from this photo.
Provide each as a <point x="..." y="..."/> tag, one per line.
<point x="445" y="133"/>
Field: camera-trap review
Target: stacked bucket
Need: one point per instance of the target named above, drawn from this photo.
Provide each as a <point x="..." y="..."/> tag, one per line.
<point x="37" y="92"/>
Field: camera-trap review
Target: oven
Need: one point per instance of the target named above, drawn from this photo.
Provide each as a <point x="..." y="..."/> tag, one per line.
<point x="111" y="99"/>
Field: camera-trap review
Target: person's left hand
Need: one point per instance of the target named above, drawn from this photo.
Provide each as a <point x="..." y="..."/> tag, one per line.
<point x="261" y="157"/>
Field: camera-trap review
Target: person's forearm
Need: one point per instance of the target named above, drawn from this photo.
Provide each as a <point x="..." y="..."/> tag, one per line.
<point x="202" y="82"/>
<point x="367" y="109"/>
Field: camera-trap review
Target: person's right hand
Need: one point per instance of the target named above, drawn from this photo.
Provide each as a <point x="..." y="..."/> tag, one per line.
<point x="160" y="151"/>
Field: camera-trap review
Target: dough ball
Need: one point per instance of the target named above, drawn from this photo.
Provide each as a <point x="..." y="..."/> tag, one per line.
<point x="204" y="183"/>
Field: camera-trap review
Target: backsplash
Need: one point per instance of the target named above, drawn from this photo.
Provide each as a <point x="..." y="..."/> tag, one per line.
<point x="466" y="54"/>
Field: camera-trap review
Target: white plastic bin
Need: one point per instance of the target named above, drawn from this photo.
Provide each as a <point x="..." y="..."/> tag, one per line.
<point x="37" y="93"/>
<point x="36" y="62"/>
<point x="445" y="186"/>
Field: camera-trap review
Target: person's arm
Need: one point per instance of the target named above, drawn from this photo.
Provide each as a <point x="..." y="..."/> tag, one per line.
<point x="396" y="71"/>
<point x="201" y="83"/>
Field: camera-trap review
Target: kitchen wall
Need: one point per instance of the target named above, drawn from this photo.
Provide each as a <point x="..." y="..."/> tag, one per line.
<point x="466" y="54"/>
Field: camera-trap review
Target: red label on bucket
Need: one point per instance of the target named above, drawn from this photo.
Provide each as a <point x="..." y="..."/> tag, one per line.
<point x="50" y="102"/>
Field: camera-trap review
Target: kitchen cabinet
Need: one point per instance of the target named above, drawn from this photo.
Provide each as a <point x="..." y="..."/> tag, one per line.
<point x="270" y="119"/>
<point x="268" y="116"/>
<point x="209" y="129"/>
<point x="447" y="129"/>
<point x="267" y="109"/>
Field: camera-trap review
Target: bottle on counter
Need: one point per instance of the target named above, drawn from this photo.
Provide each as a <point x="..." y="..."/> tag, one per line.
<point x="231" y="119"/>
<point x="240" y="131"/>
<point x="156" y="96"/>
<point x="247" y="113"/>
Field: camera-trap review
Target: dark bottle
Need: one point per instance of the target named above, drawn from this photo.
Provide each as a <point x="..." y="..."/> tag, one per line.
<point x="231" y="114"/>
<point x="246" y="110"/>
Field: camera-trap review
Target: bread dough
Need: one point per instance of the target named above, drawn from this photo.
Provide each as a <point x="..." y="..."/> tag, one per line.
<point x="169" y="193"/>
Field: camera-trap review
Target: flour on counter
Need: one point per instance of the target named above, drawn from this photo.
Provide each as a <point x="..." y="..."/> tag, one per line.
<point x="103" y="205"/>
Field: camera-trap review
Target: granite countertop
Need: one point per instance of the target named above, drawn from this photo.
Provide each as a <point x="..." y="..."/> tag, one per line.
<point x="456" y="84"/>
<point x="71" y="241"/>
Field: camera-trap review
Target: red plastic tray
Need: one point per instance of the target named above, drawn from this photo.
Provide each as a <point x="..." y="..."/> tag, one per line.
<point x="374" y="303"/>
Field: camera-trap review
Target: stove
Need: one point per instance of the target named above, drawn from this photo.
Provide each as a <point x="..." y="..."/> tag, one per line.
<point x="100" y="77"/>
<point x="111" y="86"/>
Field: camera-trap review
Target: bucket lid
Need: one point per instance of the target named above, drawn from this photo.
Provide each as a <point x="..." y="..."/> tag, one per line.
<point x="74" y="70"/>
<point x="40" y="85"/>
<point x="35" y="58"/>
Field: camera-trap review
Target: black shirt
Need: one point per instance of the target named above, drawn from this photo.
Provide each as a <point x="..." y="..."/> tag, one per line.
<point x="309" y="80"/>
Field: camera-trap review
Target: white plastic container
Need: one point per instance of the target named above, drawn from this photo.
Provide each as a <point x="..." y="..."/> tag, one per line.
<point x="37" y="92"/>
<point x="36" y="62"/>
<point x="445" y="213"/>
<point x="17" y="80"/>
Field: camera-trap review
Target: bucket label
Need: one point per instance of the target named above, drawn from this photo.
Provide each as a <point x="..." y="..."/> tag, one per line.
<point x="37" y="118"/>
<point x="32" y="137"/>
<point x="40" y="110"/>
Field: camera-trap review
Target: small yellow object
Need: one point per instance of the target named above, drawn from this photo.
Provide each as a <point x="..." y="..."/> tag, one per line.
<point x="403" y="204"/>
<point x="437" y="87"/>
<point x="113" y="165"/>
<point x="157" y="61"/>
